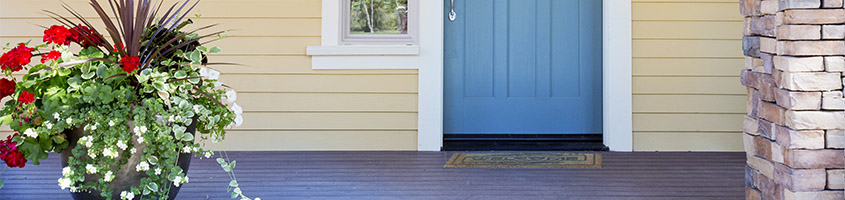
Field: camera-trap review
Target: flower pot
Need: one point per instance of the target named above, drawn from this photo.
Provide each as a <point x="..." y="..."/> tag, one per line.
<point x="126" y="176"/>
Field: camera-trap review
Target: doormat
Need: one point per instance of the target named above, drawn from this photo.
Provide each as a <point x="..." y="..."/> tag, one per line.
<point x="525" y="160"/>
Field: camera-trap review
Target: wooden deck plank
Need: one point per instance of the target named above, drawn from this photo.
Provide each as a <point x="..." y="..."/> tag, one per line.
<point x="420" y="175"/>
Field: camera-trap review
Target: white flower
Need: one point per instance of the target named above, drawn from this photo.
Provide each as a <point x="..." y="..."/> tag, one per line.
<point x="203" y="71"/>
<point x="158" y="171"/>
<point x="237" y="109"/>
<point x="64" y="183"/>
<point x="111" y="123"/>
<point x="30" y="133"/>
<point x="48" y="125"/>
<point x="143" y="166"/>
<point x="121" y="144"/>
<point x="110" y="153"/>
<point x="213" y="74"/>
<point x="231" y="96"/>
<point x="171" y="119"/>
<point x="66" y="171"/>
<point x="87" y="141"/>
<point x="56" y="115"/>
<point x="91" y="153"/>
<point x="239" y="119"/>
<point x="140" y="139"/>
<point x="90" y="169"/>
<point x="133" y="150"/>
<point x="143" y="129"/>
<point x="127" y="195"/>
<point x="178" y="180"/>
<point x="109" y="176"/>
<point x="217" y="83"/>
<point x="69" y="120"/>
<point x="196" y="109"/>
<point x="186" y="149"/>
<point x="208" y="154"/>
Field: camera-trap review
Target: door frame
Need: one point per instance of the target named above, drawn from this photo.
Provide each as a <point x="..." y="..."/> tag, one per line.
<point x="617" y="97"/>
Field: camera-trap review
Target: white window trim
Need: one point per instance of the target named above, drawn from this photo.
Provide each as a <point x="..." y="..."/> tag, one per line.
<point x="616" y="78"/>
<point x="332" y="54"/>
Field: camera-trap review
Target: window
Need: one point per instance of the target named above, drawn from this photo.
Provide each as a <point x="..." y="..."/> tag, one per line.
<point x="379" y="22"/>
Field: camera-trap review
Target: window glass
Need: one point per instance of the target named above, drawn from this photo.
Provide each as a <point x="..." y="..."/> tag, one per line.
<point x="378" y="17"/>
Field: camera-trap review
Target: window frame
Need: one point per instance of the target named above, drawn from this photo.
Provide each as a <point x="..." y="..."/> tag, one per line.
<point x="347" y="38"/>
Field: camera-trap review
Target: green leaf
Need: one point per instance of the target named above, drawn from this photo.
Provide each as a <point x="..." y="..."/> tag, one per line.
<point x="202" y="48"/>
<point x="159" y="86"/>
<point x="232" y="165"/>
<point x="233" y="183"/>
<point x="37" y="68"/>
<point x="7" y="119"/>
<point x="220" y="161"/>
<point x="180" y="74"/>
<point x="64" y="71"/>
<point x="187" y="137"/>
<point x="214" y="50"/>
<point x="152" y="186"/>
<point x="75" y="82"/>
<point x="2" y="183"/>
<point x="91" y="52"/>
<point x="196" y="56"/>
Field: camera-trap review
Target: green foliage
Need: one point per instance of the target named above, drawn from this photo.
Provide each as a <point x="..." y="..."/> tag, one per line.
<point x="378" y="16"/>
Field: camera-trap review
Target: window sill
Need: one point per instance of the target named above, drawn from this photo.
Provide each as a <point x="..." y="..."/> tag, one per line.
<point x="364" y="57"/>
<point x="363" y="50"/>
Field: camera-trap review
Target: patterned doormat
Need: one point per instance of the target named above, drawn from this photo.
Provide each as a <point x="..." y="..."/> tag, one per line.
<point x="516" y="160"/>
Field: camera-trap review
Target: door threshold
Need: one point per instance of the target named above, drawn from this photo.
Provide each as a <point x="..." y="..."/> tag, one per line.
<point x="523" y="142"/>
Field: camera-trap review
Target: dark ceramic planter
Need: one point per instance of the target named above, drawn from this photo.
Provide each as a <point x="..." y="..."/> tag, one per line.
<point x="126" y="176"/>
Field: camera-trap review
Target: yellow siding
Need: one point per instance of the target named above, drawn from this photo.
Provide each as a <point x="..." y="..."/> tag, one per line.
<point x="288" y="106"/>
<point x="686" y="60"/>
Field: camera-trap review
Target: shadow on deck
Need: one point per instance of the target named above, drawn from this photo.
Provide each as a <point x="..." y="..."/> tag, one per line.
<point x="420" y="175"/>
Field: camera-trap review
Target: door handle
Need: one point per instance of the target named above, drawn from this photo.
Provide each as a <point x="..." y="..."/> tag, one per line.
<point x="452" y="14"/>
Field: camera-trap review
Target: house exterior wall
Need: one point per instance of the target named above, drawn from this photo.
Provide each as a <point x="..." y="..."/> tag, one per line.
<point x="686" y="59"/>
<point x="288" y="106"/>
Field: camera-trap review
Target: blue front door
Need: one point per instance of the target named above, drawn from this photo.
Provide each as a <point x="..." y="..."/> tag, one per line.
<point x="523" y="67"/>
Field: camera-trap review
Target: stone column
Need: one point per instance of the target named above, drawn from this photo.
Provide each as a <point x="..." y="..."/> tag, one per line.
<point x="795" y="124"/>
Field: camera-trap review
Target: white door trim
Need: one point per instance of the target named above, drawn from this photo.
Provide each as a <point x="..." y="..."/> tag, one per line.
<point x="616" y="79"/>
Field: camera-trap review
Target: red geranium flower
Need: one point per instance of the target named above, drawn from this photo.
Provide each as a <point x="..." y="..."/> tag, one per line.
<point x="9" y="153"/>
<point x="53" y="55"/>
<point x="15" y="59"/>
<point x="130" y="63"/>
<point x="57" y="34"/>
<point x="85" y="36"/>
<point x="7" y="87"/>
<point x="26" y="97"/>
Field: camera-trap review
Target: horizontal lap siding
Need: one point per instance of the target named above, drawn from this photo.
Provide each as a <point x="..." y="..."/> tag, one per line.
<point x="288" y="106"/>
<point x="686" y="60"/>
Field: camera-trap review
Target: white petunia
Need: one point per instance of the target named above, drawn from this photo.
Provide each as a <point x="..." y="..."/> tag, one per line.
<point x="133" y="150"/>
<point x="143" y="129"/>
<point x="30" y="133"/>
<point x="121" y="144"/>
<point x="239" y="120"/>
<point x="158" y="171"/>
<point x="56" y="115"/>
<point x="217" y="83"/>
<point x="127" y="195"/>
<point x="111" y="123"/>
<point x="90" y="169"/>
<point x="64" y="183"/>
<point x="69" y="120"/>
<point x="186" y="149"/>
<point x="237" y="109"/>
<point x="231" y="96"/>
<point x="143" y="166"/>
<point x="213" y="74"/>
<point x="66" y="171"/>
<point x="177" y="181"/>
<point x="48" y="125"/>
<point x="109" y="176"/>
<point x="203" y="71"/>
<point x="208" y="154"/>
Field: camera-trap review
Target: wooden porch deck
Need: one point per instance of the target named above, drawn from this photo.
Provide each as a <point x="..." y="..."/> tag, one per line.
<point x="420" y="175"/>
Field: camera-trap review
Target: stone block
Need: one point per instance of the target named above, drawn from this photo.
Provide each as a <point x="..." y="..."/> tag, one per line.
<point x="749" y="176"/>
<point x="832" y="3"/>
<point x="767" y="87"/>
<point x="836" y="179"/>
<point x="764" y="166"/>
<point x="763" y="25"/>
<point x="749" y="7"/>
<point x="810" y="81"/>
<point x="748" y="144"/>
<point x="799" y="64"/>
<point x="777" y="152"/>
<point x="813" y="16"/>
<point x="763" y="148"/>
<point x="833" y="32"/>
<point x="793" y="4"/>
<point x="768" y="45"/>
<point x="806" y="120"/>
<point x="768" y="7"/>
<point x="813" y="159"/>
<point x="835" y="139"/>
<point x="814" y="195"/>
<point x="800" y="179"/>
<point x="751" y="46"/>
<point x="771" y="112"/>
<point x="749" y="78"/>
<point x="750" y="126"/>
<point x="793" y="139"/>
<point x="752" y="102"/>
<point x="834" y="63"/>
<point x="799" y="32"/>
<point x="798" y="100"/>
<point x="833" y="101"/>
<point x="767" y="129"/>
<point x="767" y="186"/>
<point x="752" y="194"/>
<point x="803" y="48"/>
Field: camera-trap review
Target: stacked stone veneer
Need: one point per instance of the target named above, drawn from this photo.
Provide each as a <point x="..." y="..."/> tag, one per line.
<point x="795" y="127"/>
